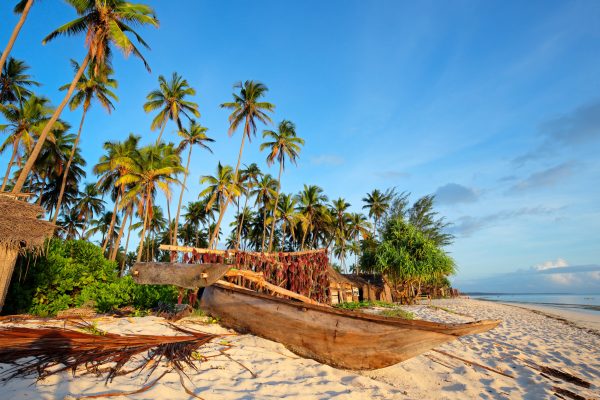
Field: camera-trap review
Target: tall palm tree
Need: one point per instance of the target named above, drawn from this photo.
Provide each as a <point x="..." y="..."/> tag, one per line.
<point x="169" y="99"/>
<point x="284" y="144"/>
<point x="102" y="225"/>
<point x="265" y="191"/>
<point x="22" y="7"/>
<point x="69" y="225"/>
<point x="247" y="109"/>
<point x="195" y="135"/>
<point x="221" y="187"/>
<point x="96" y="84"/>
<point x="377" y="202"/>
<point x="88" y="205"/>
<point x="195" y="215"/>
<point x="249" y="177"/>
<point x="15" y="83"/>
<point x="105" y="23"/>
<point x="117" y="161"/>
<point x="154" y="168"/>
<point x="310" y="204"/>
<point x="24" y="122"/>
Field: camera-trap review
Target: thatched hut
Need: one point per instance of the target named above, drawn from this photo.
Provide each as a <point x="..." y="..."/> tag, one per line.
<point x="341" y="290"/>
<point x="370" y="287"/>
<point x="20" y="231"/>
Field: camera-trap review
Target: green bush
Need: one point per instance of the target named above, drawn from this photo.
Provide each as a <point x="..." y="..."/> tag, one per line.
<point x="72" y="273"/>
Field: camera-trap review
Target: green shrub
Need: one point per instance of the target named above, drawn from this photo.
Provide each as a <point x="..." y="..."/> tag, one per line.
<point x="73" y="273"/>
<point x="354" y="305"/>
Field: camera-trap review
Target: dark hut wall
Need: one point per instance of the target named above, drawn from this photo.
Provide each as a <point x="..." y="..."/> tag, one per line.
<point x="303" y="273"/>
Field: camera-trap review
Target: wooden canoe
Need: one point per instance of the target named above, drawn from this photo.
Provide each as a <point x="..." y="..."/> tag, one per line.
<point x="342" y="339"/>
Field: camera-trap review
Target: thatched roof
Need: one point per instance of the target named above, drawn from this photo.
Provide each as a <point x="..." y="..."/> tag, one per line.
<point x="365" y="279"/>
<point x="336" y="277"/>
<point x="20" y="227"/>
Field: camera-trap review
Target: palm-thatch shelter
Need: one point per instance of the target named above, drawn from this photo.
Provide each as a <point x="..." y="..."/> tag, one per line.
<point x="371" y="287"/>
<point x="20" y="231"/>
<point x="341" y="289"/>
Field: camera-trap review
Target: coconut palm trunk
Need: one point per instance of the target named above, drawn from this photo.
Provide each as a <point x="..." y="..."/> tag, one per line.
<point x="15" y="33"/>
<point x="162" y="129"/>
<point x="264" y="237"/>
<point x="187" y="171"/>
<point x="229" y="196"/>
<point x="10" y="164"/>
<point x="66" y="174"/>
<point x="143" y="234"/>
<point x="113" y="220"/>
<point x="115" y="249"/>
<point x="38" y="146"/>
<point x="127" y="243"/>
<point x="239" y="230"/>
<point x="275" y="206"/>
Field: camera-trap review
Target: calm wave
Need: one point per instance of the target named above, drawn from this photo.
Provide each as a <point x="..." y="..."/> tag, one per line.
<point x="581" y="302"/>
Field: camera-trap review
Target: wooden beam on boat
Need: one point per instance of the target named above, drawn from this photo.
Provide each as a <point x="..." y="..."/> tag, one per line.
<point x="198" y="250"/>
<point x="190" y="276"/>
<point x="259" y="279"/>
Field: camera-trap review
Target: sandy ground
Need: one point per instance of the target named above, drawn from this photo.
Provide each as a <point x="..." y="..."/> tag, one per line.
<point x="524" y="336"/>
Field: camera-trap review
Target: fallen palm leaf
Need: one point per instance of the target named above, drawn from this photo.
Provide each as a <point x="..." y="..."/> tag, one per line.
<point x="49" y="351"/>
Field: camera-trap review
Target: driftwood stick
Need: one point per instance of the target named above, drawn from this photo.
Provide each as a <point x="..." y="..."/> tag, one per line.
<point x="474" y="363"/>
<point x="568" y="393"/>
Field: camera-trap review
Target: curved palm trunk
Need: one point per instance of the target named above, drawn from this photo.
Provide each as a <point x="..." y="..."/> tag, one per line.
<point x="15" y="33"/>
<point x="187" y="171"/>
<point x="127" y="243"/>
<point x="113" y="221"/>
<point x="66" y="174"/>
<point x="10" y="164"/>
<point x="115" y="249"/>
<point x="162" y="129"/>
<point x="275" y="206"/>
<point x="143" y="234"/>
<point x="38" y="146"/>
<point x="235" y="179"/>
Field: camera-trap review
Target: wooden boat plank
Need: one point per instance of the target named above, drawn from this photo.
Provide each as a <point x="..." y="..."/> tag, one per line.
<point x="190" y="276"/>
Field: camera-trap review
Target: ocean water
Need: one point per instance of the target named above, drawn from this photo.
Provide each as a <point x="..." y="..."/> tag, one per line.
<point x="578" y="302"/>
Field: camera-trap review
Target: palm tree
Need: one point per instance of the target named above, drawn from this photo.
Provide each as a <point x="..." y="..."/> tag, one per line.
<point x="265" y="191"/>
<point x="284" y="143"/>
<point x="22" y="8"/>
<point x="377" y="202"/>
<point x="310" y="205"/>
<point x="105" y="23"/>
<point x="196" y="214"/>
<point x="102" y="225"/>
<point x="116" y="163"/>
<point x="287" y="215"/>
<point x="25" y="122"/>
<point x="194" y="135"/>
<point x="69" y="224"/>
<point x="96" y="84"/>
<point x="89" y="204"/>
<point x="169" y="98"/>
<point x="153" y="168"/>
<point x="246" y="109"/>
<point x="249" y="179"/>
<point x="15" y="83"/>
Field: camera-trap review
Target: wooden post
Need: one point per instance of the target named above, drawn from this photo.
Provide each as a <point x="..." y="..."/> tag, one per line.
<point x="8" y="258"/>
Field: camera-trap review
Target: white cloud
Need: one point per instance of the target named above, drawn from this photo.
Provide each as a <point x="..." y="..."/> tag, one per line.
<point x="327" y="159"/>
<point x="559" y="262"/>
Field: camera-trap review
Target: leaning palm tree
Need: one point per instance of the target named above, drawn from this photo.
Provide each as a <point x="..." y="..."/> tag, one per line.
<point x="284" y="144"/>
<point x="247" y="109"/>
<point x="154" y="168"/>
<point x="15" y="83"/>
<point x="194" y="135"/>
<point x="169" y="99"/>
<point x="114" y="164"/>
<point x="22" y="7"/>
<point x="96" y="84"/>
<point x="24" y="123"/>
<point x="105" y="23"/>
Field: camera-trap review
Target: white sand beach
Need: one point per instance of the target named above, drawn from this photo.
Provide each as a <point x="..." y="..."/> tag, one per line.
<point x="524" y="337"/>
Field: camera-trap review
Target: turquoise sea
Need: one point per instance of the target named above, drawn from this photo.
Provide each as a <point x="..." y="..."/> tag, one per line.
<point x="580" y="302"/>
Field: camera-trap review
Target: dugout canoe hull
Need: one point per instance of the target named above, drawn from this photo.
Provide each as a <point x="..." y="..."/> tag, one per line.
<point x="340" y="338"/>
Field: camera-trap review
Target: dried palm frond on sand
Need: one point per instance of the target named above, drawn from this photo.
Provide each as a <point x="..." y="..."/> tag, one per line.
<point x="48" y="351"/>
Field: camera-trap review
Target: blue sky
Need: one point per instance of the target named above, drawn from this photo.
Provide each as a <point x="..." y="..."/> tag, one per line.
<point x="494" y="106"/>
